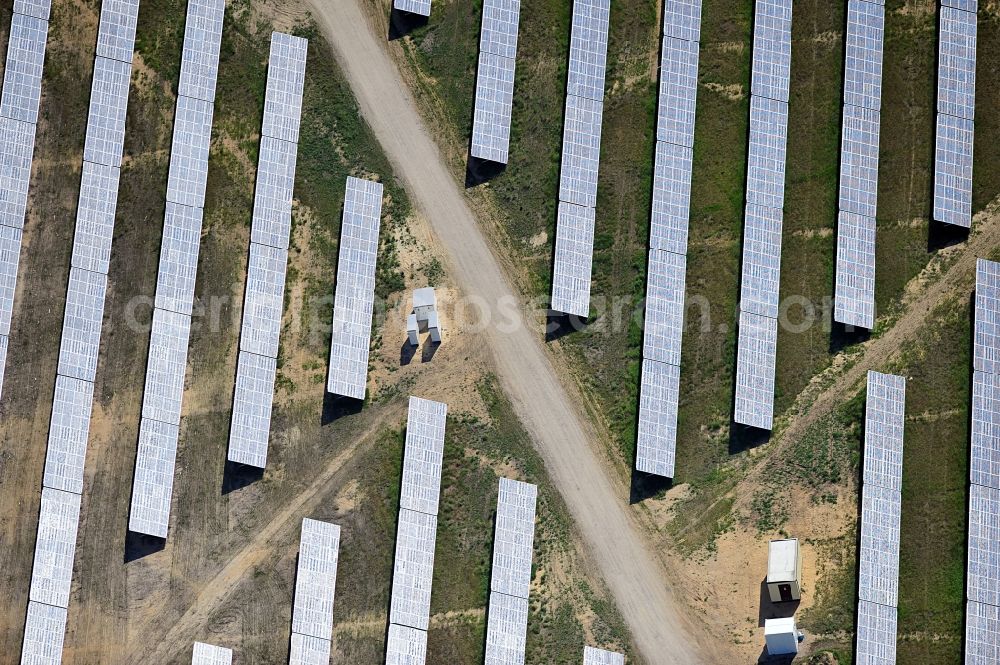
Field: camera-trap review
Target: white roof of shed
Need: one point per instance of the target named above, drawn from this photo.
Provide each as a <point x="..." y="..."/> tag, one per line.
<point x="782" y="560"/>
<point x="424" y="297"/>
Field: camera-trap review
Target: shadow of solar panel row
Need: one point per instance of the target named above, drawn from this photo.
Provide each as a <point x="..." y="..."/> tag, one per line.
<point x="421" y="7"/>
<point x="854" y="292"/>
<point x="884" y="425"/>
<point x="422" y="456"/>
<point x="592" y="656"/>
<point x="316" y="580"/>
<point x="755" y="363"/>
<point x="573" y="259"/>
<point x="491" y="115"/>
<point x="354" y="297"/>
<point x="876" y="635"/>
<point x="286" y="73"/>
<point x="506" y="630"/>
<point x="982" y="634"/>
<point x="209" y="654"/>
<point x="772" y="49"/>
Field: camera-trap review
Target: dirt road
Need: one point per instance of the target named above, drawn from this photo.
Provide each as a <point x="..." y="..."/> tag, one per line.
<point x="598" y="503"/>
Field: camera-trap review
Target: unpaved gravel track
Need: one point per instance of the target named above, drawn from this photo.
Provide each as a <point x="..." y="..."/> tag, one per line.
<point x="661" y="630"/>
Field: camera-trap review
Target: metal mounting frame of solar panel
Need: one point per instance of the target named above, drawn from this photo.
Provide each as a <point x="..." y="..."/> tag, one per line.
<point x="413" y="569"/>
<point x="986" y="338"/>
<point x="581" y="151"/>
<point x="286" y="74"/>
<point x="593" y="656"/>
<point x="854" y="291"/>
<point x="22" y="76"/>
<point x="10" y="256"/>
<point x="405" y="645"/>
<point x="272" y="201"/>
<point x="308" y="650"/>
<point x="983" y="569"/>
<point x="885" y="419"/>
<point x="682" y="19"/>
<point x="663" y="324"/>
<point x="116" y="32"/>
<point x="499" y="28"/>
<point x="878" y="556"/>
<point x="956" y="92"/>
<point x="200" y="54"/>
<point x="81" y="332"/>
<point x="420" y="7"/>
<point x="859" y="143"/>
<point x="982" y="634"/>
<point x="573" y="259"/>
<point x="766" y="152"/>
<point x="953" y="170"/>
<point x="209" y="654"/>
<point x="588" y="49"/>
<point x="178" y="267"/>
<point x="36" y="8"/>
<point x="678" y="92"/>
<point x="55" y="547"/>
<point x="984" y="465"/>
<point x="316" y="579"/>
<point x="772" y="49"/>
<point x="95" y="217"/>
<point x="492" y="110"/>
<point x="422" y="455"/>
<point x="17" y="145"/>
<point x="657" y="434"/>
<point x="264" y="300"/>
<point x="863" y="54"/>
<point x="875" y="640"/>
<point x="69" y="431"/>
<point x="44" y="632"/>
<point x="761" y="267"/>
<point x="189" y="152"/>
<point x="670" y="213"/>
<point x="250" y="427"/>
<point x="153" y="481"/>
<point x="514" y="538"/>
<point x="506" y="630"/>
<point x="755" y="365"/>
<point x="105" y="137"/>
<point x="168" y="345"/>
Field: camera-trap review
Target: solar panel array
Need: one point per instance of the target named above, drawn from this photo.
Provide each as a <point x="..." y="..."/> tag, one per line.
<point x="956" y="105"/>
<point x="495" y="80"/>
<point x="416" y="532"/>
<point x="152" y="484"/>
<point x="593" y="656"/>
<point x="507" y="619"/>
<point x="982" y="628"/>
<point x="668" y="238"/>
<point x="69" y="425"/>
<point x="421" y="7"/>
<point x="209" y="654"/>
<point x="22" y="90"/>
<point x="263" y="300"/>
<point x="878" y="556"/>
<point x="315" y="587"/>
<point x="355" y="294"/>
<point x="854" y="290"/>
<point x="581" y="156"/>
<point x="763" y="217"/>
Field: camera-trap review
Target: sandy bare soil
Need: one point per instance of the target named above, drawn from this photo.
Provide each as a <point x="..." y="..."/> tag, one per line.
<point x="598" y="501"/>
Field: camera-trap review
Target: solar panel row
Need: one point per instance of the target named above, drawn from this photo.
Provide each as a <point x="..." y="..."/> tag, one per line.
<point x="152" y="484"/>
<point x="355" y="293"/>
<point x="495" y="80"/>
<point x="581" y="156"/>
<point x="65" y="455"/>
<point x="763" y="216"/>
<point x="209" y="654"/>
<point x="592" y="656"/>
<point x="421" y="7"/>
<point x="854" y="293"/>
<point x="22" y="88"/>
<point x="956" y="103"/>
<point x="878" y="555"/>
<point x="423" y="455"/>
<point x="315" y="587"/>
<point x="263" y="300"/>
<point x="666" y="270"/>
<point x="507" y="619"/>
